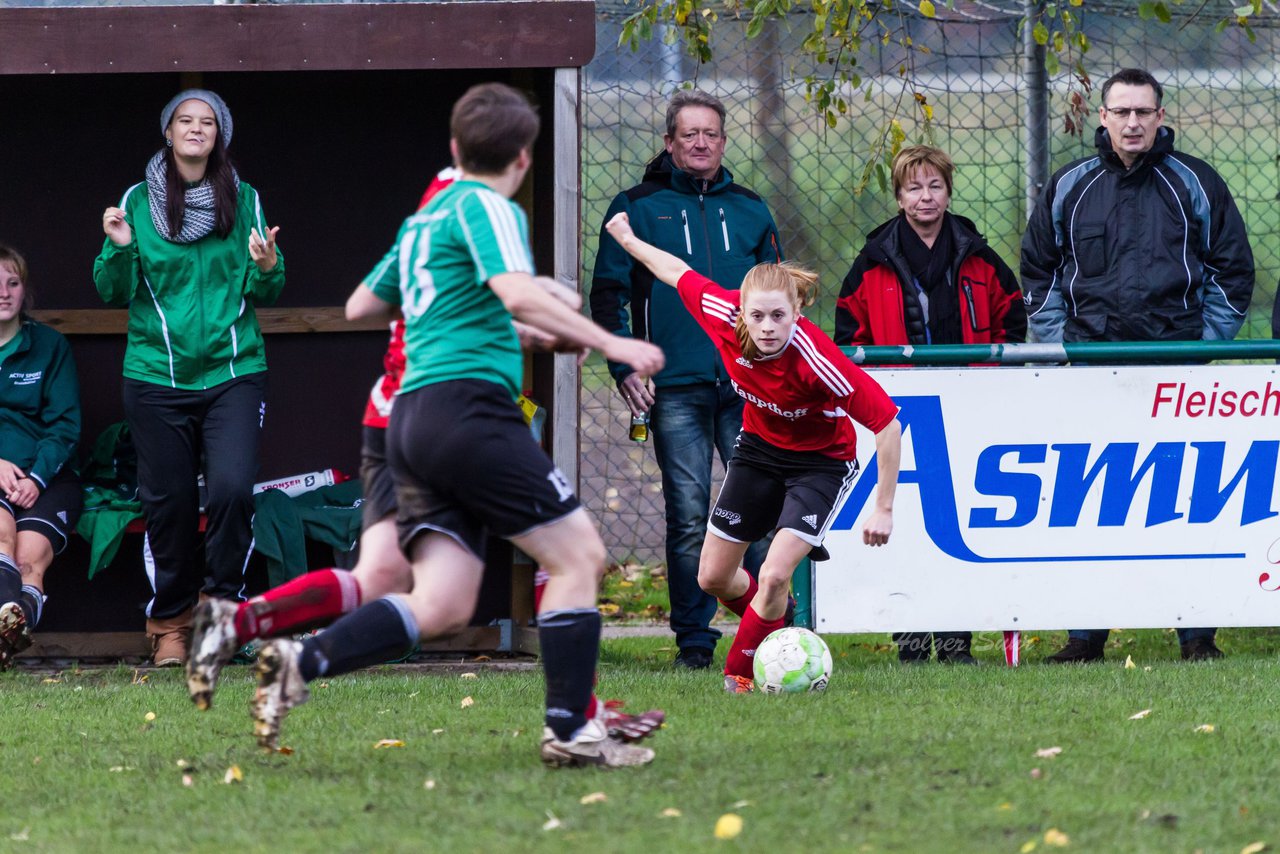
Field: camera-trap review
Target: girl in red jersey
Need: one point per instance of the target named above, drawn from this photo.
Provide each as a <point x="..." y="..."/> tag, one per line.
<point x="795" y="461"/>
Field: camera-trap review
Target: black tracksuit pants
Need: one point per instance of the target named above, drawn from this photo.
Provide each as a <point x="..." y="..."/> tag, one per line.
<point x="175" y="431"/>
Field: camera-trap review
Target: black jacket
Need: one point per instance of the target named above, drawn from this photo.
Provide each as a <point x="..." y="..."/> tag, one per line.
<point x="1157" y="252"/>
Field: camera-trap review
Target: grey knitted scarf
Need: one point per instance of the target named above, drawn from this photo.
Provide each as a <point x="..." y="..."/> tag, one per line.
<point x="199" y="217"/>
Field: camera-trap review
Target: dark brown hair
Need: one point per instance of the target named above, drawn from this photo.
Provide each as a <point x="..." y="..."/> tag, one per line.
<point x="491" y="124"/>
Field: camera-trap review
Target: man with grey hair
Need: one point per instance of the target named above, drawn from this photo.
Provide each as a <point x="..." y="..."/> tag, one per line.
<point x="688" y="205"/>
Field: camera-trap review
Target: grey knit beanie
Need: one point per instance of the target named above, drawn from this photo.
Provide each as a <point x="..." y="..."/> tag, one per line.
<point x="215" y="103"/>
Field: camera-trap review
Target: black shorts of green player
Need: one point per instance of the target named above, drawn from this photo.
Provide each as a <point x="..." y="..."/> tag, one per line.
<point x="466" y="465"/>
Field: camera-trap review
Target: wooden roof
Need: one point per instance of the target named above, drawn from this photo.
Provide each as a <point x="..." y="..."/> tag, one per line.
<point x="347" y="37"/>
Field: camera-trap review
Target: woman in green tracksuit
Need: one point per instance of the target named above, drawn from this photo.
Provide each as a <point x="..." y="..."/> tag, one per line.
<point x="39" y="429"/>
<point x="189" y="252"/>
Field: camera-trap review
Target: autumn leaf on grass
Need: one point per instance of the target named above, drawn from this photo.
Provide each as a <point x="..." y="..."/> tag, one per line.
<point x="188" y="780"/>
<point x="1028" y="846"/>
<point x="284" y="751"/>
<point x="149" y="717"/>
<point x="1056" y="838"/>
<point x="1254" y="847"/>
<point x="388" y="742"/>
<point x="1137" y="716"/>
<point x="728" y="826"/>
<point x="552" y="823"/>
<point x="1205" y="728"/>
<point x="428" y="784"/>
<point x="1128" y="663"/>
<point x="1048" y="752"/>
<point x="608" y="609"/>
<point x="594" y="798"/>
<point x="671" y="812"/>
<point x="467" y="702"/>
<point x="467" y="676"/>
<point x="233" y="775"/>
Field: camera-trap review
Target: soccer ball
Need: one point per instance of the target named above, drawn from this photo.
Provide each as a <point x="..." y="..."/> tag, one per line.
<point x="792" y="660"/>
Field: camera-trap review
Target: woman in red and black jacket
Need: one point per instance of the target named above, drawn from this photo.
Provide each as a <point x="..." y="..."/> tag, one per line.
<point x="927" y="277"/>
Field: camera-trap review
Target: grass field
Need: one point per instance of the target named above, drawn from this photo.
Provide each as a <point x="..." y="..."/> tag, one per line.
<point x="890" y="758"/>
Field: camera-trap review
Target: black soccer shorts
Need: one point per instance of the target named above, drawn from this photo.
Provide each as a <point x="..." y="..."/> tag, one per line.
<point x="465" y="464"/>
<point x="768" y="488"/>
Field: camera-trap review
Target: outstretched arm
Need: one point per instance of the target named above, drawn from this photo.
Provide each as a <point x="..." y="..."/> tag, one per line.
<point x="664" y="266"/>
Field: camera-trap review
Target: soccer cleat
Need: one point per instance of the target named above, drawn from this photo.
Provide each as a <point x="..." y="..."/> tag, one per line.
<point x="280" y="688"/>
<point x="213" y="643"/>
<point x="591" y="746"/>
<point x="630" y="728"/>
<point x="14" y="637"/>
<point x="738" y="684"/>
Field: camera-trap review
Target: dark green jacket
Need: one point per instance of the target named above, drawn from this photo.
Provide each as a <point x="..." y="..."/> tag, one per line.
<point x="39" y="403"/>
<point x="718" y="228"/>
<point x="191" y="306"/>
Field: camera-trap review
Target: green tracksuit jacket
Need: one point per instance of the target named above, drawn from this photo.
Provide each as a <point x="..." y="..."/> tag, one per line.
<point x="191" y="306"/>
<point x="39" y="403"/>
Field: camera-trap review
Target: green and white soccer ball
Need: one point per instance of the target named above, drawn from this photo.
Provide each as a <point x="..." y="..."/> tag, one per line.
<point x="791" y="661"/>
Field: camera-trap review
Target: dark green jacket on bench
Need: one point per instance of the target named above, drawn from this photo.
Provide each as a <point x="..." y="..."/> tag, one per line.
<point x="39" y="403"/>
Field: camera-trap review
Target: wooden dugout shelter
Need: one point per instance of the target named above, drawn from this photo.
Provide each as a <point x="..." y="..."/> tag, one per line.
<point x="341" y="119"/>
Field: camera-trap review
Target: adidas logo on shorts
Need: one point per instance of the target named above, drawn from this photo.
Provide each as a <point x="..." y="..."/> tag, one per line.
<point x="811" y="521"/>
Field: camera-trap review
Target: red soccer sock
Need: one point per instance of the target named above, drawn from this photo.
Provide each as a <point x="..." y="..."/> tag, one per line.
<point x="739" y="606"/>
<point x="315" y="599"/>
<point x="593" y="706"/>
<point x="751" y="631"/>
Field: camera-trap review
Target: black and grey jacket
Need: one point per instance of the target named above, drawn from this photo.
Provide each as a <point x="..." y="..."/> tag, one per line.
<point x="1157" y="252"/>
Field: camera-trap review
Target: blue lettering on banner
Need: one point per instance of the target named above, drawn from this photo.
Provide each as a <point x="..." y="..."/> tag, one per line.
<point x="1115" y="465"/>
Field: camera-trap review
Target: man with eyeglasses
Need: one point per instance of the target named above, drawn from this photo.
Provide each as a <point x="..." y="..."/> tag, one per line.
<point x="1136" y="243"/>
<point x="688" y="205"/>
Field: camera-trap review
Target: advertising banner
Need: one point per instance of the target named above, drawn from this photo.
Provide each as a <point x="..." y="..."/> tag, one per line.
<point x="1067" y="497"/>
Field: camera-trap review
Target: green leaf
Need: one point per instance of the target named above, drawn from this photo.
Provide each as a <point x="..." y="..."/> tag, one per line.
<point x="1146" y="11"/>
<point x="1243" y="11"/>
<point x="1162" y="13"/>
<point x="1051" y="63"/>
<point x="1221" y="25"/>
<point x="926" y="9"/>
<point x="1040" y="33"/>
<point x="755" y="26"/>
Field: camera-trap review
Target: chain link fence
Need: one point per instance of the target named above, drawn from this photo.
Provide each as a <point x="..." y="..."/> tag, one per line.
<point x="1221" y="99"/>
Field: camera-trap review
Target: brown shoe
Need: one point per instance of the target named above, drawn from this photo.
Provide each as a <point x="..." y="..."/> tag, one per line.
<point x="170" y="639"/>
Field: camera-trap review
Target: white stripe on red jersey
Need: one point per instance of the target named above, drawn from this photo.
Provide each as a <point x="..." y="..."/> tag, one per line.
<point x="807" y="396"/>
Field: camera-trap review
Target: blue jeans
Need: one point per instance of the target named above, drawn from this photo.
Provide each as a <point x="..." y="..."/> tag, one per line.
<point x="688" y="422"/>
<point x="1099" y="636"/>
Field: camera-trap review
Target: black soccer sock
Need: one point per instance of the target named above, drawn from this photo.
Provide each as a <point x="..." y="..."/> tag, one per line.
<point x="372" y="634"/>
<point x="570" y="642"/>
<point x="31" y="601"/>
<point x="10" y="580"/>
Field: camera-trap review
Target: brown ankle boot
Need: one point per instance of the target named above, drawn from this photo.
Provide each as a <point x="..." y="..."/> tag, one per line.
<point x="170" y="638"/>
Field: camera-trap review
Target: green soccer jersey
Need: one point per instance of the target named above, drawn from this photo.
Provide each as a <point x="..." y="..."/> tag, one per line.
<point x="437" y="272"/>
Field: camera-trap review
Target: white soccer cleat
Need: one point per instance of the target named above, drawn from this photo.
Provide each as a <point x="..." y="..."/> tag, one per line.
<point x="14" y="636"/>
<point x="280" y="688"/>
<point x="592" y="746"/>
<point x="213" y="643"/>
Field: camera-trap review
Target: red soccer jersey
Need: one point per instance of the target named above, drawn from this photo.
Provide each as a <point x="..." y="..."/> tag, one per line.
<point x="807" y="396"/>
<point x="377" y="413"/>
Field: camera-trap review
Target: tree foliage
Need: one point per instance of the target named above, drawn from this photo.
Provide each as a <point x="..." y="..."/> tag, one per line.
<point x="842" y="35"/>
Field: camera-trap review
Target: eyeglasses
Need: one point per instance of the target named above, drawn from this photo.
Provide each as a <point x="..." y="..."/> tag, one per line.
<point x="1140" y="112"/>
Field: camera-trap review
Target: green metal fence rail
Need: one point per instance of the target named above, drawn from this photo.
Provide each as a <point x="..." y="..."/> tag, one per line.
<point x="1189" y="352"/>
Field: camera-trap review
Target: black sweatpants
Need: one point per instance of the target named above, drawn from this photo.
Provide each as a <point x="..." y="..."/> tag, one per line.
<point x="171" y="430"/>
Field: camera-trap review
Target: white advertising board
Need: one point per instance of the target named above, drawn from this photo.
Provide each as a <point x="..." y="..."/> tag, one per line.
<point x="1067" y="497"/>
